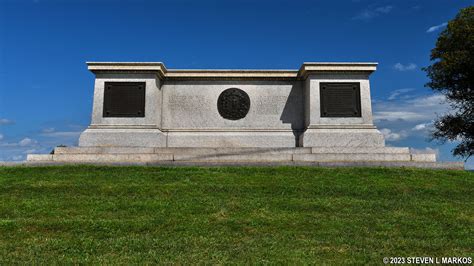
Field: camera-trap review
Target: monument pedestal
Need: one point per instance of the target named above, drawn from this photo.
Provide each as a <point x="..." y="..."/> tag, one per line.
<point x="342" y="137"/>
<point x="122" y="137"/>
<point x="321" y="114"/>
<point x="234" y="139"/>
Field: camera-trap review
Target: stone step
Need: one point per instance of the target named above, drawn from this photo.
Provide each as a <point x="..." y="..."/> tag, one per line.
<point x="39" y="157"/>
<point x="430" y="165"/>
<point x="232" y="155"/>
<point x="138" y="158"/>
<point x="326" y="150"/>
<point x="299" y="150"/>
<point x="423" y="157"/>
<point x="233" y="151"/>
<point x="351" y="157"/>
<point x="282" y="157"/>
<point x="104" y="150"/>
<point x="193" y="151"/>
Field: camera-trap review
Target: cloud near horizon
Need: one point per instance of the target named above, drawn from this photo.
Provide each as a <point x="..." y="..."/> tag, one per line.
<point x="41" y="142"/>
<point x="405" y="115"/>
<point x="411" y="108"/>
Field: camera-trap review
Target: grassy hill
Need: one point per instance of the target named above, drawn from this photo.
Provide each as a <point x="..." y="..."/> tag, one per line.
<point x="93" y="214"/>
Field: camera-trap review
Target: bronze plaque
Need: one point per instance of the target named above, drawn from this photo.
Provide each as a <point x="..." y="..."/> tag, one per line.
<point x="233" y="104"/>
<point x="124" y="99"/>
<point x="340" y="99"/>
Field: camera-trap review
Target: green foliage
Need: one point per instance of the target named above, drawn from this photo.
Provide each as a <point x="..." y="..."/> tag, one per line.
<point x="452" y="74"/>
<point x="241" y="215"/>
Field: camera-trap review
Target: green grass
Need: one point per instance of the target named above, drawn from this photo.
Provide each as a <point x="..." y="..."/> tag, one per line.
<point x="93" y="214"/>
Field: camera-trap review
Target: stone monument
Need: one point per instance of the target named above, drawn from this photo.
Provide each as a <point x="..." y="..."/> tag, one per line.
<point x="146" y="113"/>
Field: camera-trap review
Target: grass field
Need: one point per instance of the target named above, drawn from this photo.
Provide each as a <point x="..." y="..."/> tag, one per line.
<point x="93" y="214"/>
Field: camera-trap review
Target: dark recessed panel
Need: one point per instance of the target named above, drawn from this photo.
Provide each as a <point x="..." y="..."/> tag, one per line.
<point x="124" y="99"/>
<point x="340" y="99"/>
<point x="233" y="104"/>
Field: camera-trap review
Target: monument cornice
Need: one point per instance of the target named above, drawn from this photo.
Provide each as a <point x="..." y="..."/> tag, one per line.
<point x="127" y="67"/>
<point x="309" y="68"/>
<point x="159" y="68"/>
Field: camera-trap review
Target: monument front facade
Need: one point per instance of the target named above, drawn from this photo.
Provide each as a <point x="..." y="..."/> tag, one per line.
<point x="320" y="114"/>
<point x="319" y="105"/>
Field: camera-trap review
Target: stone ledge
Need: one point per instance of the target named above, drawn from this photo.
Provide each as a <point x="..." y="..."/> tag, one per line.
<point x="372" y="150"/>
<point x="302" y="73"/>
<point x="423" y="157"/>
<point x="103" y="150"/>
<point x="428" y="165"/>
<point x="233" y="158"/>
<point x="140" y="158"/>
<point x="39" y="157"/>
<point x="351" y="157"/>
<point x="178" y="150"/>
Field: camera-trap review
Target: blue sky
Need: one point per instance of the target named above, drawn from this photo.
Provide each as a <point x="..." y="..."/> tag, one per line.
<point x="46" y="90"/>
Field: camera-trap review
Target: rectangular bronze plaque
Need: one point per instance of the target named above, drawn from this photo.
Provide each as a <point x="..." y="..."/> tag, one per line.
<point x="340" y="99"/>
<point x="124" y="99"/>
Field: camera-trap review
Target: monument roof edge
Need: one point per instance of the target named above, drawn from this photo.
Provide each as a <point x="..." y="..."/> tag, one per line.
<point x="308" y="67"/>
<point x="232" y="73"/>
<point x="341" y="63"/>
<point x="305" y="69"/>
<point x="157" y="67"/>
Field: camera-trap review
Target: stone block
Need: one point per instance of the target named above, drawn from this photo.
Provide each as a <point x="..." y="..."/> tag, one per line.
<point x="122" y="137"/>
<point x="403" y="150"/>
<point x="103" y="150"/>
<point x="232" y="151"/>
<point x="39" y="157"/>
<point x="234" y="158"/>
<point x="111" y="158"/>
<point x="423" y="157"/>
<point x="351" y="157"/>
<point x="232" y="139"/>
<point x="346" y="137"/>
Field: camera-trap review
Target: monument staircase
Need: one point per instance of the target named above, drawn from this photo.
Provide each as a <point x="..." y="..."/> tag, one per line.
<point x="311" y="156"/>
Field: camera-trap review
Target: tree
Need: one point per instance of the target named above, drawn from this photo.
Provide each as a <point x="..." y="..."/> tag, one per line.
<point x="452" y="74"/>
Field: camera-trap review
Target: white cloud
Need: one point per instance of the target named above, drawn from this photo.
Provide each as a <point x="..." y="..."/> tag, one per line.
<point x="30" y="151"/>
<point x="370" y="13"/>
<point x="22" y="143"/>
<point x="17" y="157"/>
<point x="48" y="130"/>
<point x="62" y="134"/>
<point x="408" y="67"/>
<point x="398" y="115"/>
<point x="392" y="136"/>
<point x="428" y="101"/>
<point x="27" y="142"/>
<point x="437" y="27"/>
<point x="4" y="121"/>
<point x="384" y="9"/>
<point x="421" y="126"/>
<point x="1" y="136"/>
<point x="414" y="109"/>
<point x="397" y="93"/>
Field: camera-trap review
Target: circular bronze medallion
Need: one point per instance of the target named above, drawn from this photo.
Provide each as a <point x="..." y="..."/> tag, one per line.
<point x="233" y="104"/>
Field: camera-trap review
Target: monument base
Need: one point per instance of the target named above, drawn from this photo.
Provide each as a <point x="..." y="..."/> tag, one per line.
<point x="342" y="137"/>
<point x="282" y="155"/>
<point x="232" y="139"/>
<point x="122" y="137"/>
